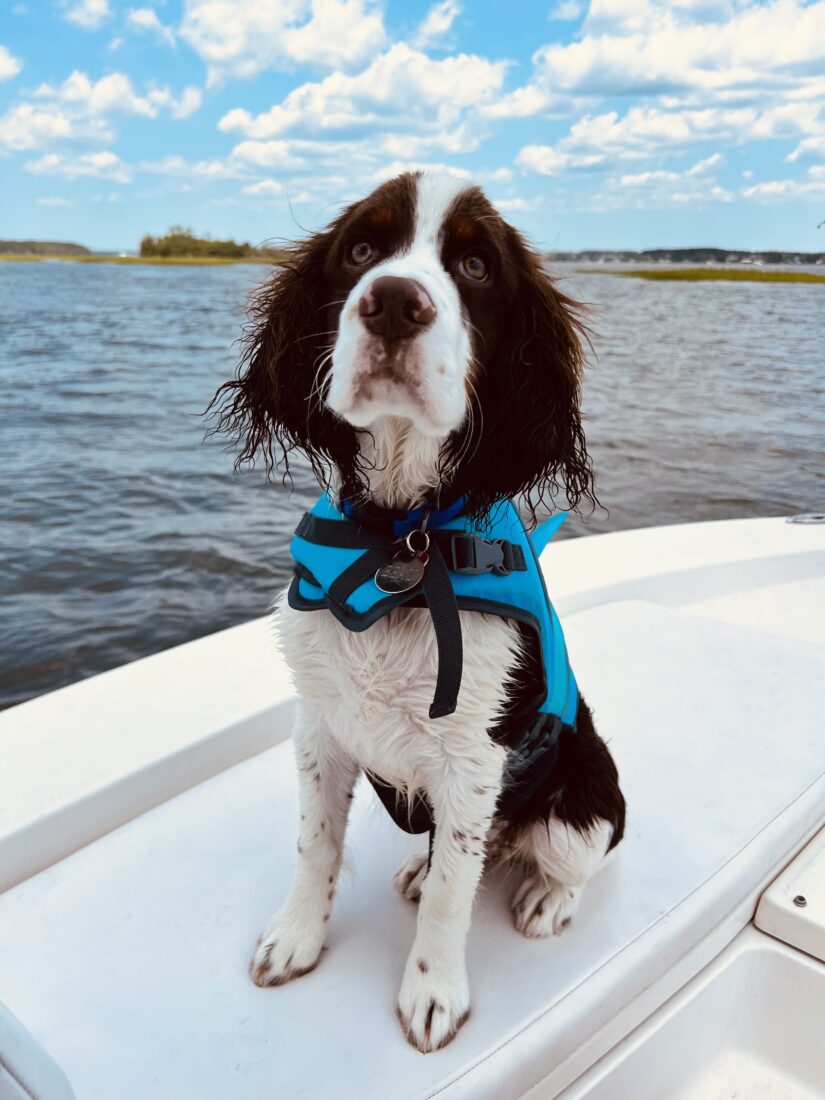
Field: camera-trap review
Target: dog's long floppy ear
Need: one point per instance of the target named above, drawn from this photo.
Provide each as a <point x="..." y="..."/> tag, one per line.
<point x="529" y="436"/>
<point x="274" y="405"/>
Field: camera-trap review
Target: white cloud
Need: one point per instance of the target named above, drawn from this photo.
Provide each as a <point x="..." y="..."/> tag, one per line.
<point x="711" y="50"/>
<point x="436" y="23"/>
<point x="146" y="19"/>
<point x="114" y="94"/>
<point x="9" y="65"/>
<point x="104" y="165"/>
<point x="266" y="188"/>
<point x="516" y="203"/>
<point x="666" y="187"/>
<point x="54" y="200"/>
<point x="701" y="168"/>
<point x="174" y="165"/>
<point x="566" y="11"/>
<point x="268" y="154"/>
<point x="812" y="188"/>
<point x="649" y="131"/>
<point x="810" y="148"/>
<point x="401" y="87"/>
<point x="547" y="161"/>
<point x="89" y="14"/>
<point x="241" y="38"/>
<point x="28" y="126"/>
<point x="387" y="171"/>
<point x="79" y="109"/>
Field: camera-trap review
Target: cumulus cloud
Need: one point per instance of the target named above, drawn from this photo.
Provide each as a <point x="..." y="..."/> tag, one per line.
<point x="436" y="23"/>
<point x="401" y="87"/>
<point x="104" y="165"/>
<point x="146" y="19"/>
<point x="566" y="11"/>
<point x="241" y="38"/>
<point x="396" y="167"/>
<point x="9" y="65"/>
<point x="175" y="165"/>
<point x="711" y="51"/>
<point x="810" y="188"/>
<point x="88" y="14"/>
<point x="79" y="109"/>
<point x="547" y="161"/>
<point x="268" y="188"/>
<point x="810" y="148"/>
<point x="701" y="168"/>
<point x="649" y="131"/>
<point x="28" y="126"/>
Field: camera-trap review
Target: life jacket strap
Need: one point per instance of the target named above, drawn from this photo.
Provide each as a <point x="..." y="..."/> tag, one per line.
<point x="463" y="552"/>
<point x="440" y="597"/>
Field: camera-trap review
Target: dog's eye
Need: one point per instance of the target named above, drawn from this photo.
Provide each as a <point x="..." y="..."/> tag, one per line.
<point x="474" y="267"/>
<point x="361" y="253"/>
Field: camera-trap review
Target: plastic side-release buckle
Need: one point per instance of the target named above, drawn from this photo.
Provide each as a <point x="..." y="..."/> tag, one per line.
<point x="475" y="555"/>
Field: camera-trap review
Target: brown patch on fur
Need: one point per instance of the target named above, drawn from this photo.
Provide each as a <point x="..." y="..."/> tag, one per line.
<point x="423" y="966"/>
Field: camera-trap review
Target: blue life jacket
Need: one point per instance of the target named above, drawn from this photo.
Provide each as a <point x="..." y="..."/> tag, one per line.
<point x="489" y="566"/>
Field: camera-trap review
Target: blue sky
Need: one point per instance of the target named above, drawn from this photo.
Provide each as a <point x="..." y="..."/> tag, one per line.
<point x="613" y="123"/>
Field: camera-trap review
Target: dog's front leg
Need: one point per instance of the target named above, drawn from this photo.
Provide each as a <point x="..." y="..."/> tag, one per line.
<point x="292" y="941"/>
<point x="435" y="999"/>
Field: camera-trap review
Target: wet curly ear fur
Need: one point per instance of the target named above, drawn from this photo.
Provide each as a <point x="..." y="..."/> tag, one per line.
<point x="528" y="393"/>
<point x="274" y="405"/>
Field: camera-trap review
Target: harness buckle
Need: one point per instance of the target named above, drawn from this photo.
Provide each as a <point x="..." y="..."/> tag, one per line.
<point x="474" y="555"/>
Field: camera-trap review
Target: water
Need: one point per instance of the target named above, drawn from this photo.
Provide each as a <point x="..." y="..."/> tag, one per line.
<point x="122" y="532"/>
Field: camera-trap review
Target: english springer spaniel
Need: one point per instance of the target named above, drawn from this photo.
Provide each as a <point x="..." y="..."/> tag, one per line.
<point x="417" y="353"/>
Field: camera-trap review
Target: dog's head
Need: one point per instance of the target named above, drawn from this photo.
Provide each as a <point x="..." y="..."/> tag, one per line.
<point x="416" y="347"/>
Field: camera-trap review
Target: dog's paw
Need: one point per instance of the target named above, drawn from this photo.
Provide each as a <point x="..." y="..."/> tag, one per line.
<point x="409" y="877"/>
<point x="431" y="1007"/>
<point x="542" y="907"/>
<point x="287" y="949"/>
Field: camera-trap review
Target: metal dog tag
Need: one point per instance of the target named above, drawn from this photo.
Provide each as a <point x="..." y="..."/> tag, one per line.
<point x="402" y="574"/>
<point x="406" y="570"/>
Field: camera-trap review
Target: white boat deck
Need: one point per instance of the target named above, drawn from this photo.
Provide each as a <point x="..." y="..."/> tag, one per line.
<point x="702" y="652"/>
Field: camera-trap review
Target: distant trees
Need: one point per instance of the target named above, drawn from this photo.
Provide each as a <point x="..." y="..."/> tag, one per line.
<point x="183" y="242"/>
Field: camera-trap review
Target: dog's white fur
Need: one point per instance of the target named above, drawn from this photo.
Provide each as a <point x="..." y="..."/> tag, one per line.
<point x="364" y="697"/>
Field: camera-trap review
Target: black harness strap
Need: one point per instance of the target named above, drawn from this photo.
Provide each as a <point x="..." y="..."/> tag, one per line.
<point x="345" y="536"/>
<point x="440" y="597"/>
<point x="413" y="816"/>
<point x="463" y="552"/>
<point x="361" y="570"/>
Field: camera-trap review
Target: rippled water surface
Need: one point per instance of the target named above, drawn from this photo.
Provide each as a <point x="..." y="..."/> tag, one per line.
<point x="122" y="532"/>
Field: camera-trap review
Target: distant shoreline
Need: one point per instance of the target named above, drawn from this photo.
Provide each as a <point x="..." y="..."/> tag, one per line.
<point x="711" y="273"/>
<point x="157" y="261"/>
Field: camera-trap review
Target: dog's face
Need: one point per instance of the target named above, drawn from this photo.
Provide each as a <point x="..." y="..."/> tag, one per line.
<point x="416" y="264"/>
<point x="418" y="306"/>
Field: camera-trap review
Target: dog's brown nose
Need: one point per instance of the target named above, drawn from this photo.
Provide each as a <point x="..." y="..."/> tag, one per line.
<point x="396" y="309"/>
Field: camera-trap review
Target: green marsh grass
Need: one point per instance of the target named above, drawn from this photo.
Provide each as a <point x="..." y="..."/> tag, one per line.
<point x="710" y="274"/>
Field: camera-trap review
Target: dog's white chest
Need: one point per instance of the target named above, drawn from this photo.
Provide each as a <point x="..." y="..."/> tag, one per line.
<point x="375" y="687"/>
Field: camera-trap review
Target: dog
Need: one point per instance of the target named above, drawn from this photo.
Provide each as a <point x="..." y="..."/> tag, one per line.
<point x="416" y="351"/>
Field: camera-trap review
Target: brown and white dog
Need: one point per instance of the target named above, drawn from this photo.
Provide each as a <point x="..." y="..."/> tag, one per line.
<point x="417" y="351"/>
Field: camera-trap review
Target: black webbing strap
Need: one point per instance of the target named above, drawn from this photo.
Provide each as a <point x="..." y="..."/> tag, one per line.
<point x="463" y="552"/>
<point x="361" y="570"/>
<point x="345" y="536"/>
<point x="440" y="597"/>
<point x="412" y="815"/>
